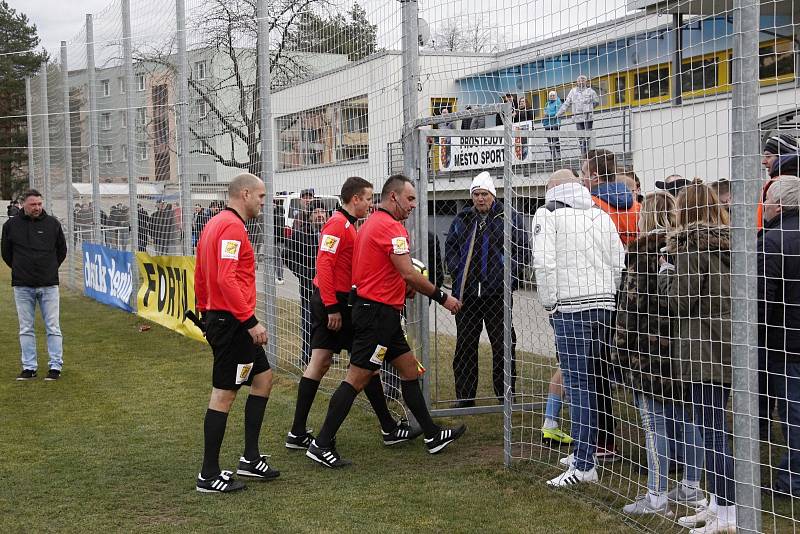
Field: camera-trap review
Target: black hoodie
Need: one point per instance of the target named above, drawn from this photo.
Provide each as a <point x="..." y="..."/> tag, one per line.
<point x="34" y="249"/>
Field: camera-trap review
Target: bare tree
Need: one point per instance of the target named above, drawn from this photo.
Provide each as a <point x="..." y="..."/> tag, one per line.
<point x="466" y="35"/>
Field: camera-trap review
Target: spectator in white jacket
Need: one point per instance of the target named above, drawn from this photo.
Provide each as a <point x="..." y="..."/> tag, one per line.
<point x="578" y="258"/>
<point x="582" y="99"/>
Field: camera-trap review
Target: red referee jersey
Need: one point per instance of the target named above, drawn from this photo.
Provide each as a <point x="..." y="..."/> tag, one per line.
<point x="225" y="274"/>
<point x="374" y="274"/>
<point x="335" y="258"/>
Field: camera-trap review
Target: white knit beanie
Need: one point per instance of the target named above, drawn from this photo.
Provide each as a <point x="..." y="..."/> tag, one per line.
<point x="483" y="181"/>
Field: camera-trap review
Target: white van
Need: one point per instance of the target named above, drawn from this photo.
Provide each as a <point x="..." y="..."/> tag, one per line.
<point x="288" y="208"/>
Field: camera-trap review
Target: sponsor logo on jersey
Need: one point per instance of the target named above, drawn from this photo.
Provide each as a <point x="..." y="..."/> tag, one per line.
<point x="400" y="245"/>
<point x="230" y="249"/>
<point x="243" y="372"/>
<point x="329" y="243"/>
<point x="378" y="355"/>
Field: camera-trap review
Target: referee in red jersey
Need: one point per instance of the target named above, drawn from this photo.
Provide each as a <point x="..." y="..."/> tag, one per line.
<point x="225" y="288"/>
<point x="331" y="327"/>
<point x="382" y="270"/>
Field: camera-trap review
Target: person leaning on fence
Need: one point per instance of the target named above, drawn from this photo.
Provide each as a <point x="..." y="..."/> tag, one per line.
<point x="332" y="328"/>
<point x="642" y="350"/>
<point x="552" y="123"/>
<point x="695" y="278"/>
<point x="578" y="259"/>
<point x="225" y="288"/>
<point x="779" y="320"/>
<point x="384" y="276"/>
<point x="300" y="256"/>
<point x="582" y="99"/>
<point x="33" y="245"/>
<point x="474" y="253"/>
<point x="474" y="123"/>
<point x="781" y="157"/>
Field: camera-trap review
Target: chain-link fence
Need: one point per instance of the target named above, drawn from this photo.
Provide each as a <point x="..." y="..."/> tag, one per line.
<point x="590" y="185"/>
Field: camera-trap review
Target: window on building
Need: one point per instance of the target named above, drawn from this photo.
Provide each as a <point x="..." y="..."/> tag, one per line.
<point x="106" y="154"/>
<point x="105" y="87"/>
<point x="123" y="118"/>
<point x="200" y="72"/>
<point x="140" y="82"/>
<point x="105" y="121"/>
<point x="203" y="177"/>
<point x="699" y="74"/>
<point x="202" y="108"/>
<point x="141" y="151"/>
<point x="124" y="152"/>
<point x="651" y="85"/>
<point x="141" y="117"/>
<point x="121" y="81"/>
<point x="776" y="61"/>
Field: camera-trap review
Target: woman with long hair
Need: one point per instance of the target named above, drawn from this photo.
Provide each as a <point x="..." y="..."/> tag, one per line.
<point x="695" y="277"/>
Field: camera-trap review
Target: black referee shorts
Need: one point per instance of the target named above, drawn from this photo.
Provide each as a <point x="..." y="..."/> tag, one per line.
<point x="321" y="336"/>
<point x="236" y="358"/>
<point x="377" y="335"/>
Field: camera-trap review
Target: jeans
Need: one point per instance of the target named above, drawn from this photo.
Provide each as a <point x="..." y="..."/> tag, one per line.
<point x="584" y="142"/>
<point x="48" y="299"/>
<point x="784" y="383"/>
<point x="656" y="417"/>
<point x="580" y="339"/>
<point x="709" y="402"/>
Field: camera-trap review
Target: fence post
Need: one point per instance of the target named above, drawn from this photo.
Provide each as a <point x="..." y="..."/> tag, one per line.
<point x="508" y="295"/>
<point x="94" y="156"/>
<point x="745" y="188"/>
<point x="267" y="174"/>
<point x="28" y="111"/>
<point x="48" y="203"/>
<point x="131" y="131"/>
<point x="68" y="168"/>
<point x="182" y="109"/>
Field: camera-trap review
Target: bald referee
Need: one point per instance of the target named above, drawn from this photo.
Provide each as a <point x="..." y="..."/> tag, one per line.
<point x="382" y="270"/>
<point x="225" y="288"/>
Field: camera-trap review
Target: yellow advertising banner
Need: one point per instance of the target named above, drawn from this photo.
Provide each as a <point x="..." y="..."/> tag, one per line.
<point x="167" y="292"/>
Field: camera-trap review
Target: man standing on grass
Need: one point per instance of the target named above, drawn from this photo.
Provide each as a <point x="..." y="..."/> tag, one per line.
<point x="34" y="246"/>
<point x="225" y="289"/>
<point x="382" y="272"/>
<point x="331" y="326"/>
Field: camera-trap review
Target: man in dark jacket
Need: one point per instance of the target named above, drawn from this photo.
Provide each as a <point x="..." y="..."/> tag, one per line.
<point x="475" y="256"/>
<point x="301" y="258"/>
<point x="143" y="228"/>
<point x="779" y="319"/>
<point x="33" y="245"/>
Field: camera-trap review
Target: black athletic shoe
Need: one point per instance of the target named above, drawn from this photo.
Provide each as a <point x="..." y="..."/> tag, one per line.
<point x="53" y="374"/>
<point x="327" y="457"/>
<point x="445" y="437"/>
<point x="27" y="374"/>
<point x="222" y="483"/>
<point x="300" y="442"/>
<point x="402" y="433"/>
<point x="257" y="468"/>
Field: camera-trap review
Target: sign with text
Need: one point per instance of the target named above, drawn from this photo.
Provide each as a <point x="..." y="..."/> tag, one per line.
<point x="483" y="151"/>
<point x="108" y="275"/>
<point x="167" y="291"/>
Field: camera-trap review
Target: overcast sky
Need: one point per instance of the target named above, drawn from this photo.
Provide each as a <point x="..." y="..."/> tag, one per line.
<point x="512" y="21"/>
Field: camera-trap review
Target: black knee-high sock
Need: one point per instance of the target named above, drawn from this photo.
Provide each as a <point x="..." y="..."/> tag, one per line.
<point x="253" y="417"/>
<point x="341" y="402"/>
<point x="306" y="391"/>
<point x="412" y="394"/>
<point x="374" y="392"/>
<point x="213" y="432"/>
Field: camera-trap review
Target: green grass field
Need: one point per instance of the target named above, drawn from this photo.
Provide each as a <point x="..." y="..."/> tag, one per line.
<point x="116" y="443"/>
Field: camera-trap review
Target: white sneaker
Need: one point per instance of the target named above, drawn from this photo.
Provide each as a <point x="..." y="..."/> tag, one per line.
<point x="279" y="281"/>
<point x="643" y="506"/>
<point x="693" y="497"/>
<point x="573" y="477"/>
<point x="569" y="461"/>
<point x="703" y="516"/>
<point x="716" y="526"/>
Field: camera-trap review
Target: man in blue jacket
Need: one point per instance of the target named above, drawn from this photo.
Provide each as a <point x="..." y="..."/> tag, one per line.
<point x="475" y="257"/>
<point x="33" y="245"/>
<point x="779" y="320"/>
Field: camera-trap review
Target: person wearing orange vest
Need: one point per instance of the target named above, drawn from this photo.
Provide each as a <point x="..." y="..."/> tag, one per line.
<point x="599" y="174"/>
<point x="781" y="157"/>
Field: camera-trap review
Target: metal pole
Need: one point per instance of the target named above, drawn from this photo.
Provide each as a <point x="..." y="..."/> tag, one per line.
<point x="29" y="113"/>
<point x="68" y="168"/>
<point x="508" y="296"/>
<point x="677" y="59"/>
<point x="745" y="189"/>
<point x="267" y="174"/>
<point x="410" y="24"/>
<point x="182" y="107"/>
<point x="48" y="203"/>
<point x="422" y="147"/>
<point x="131" y="131"/>
<point x="94" y="156"/>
